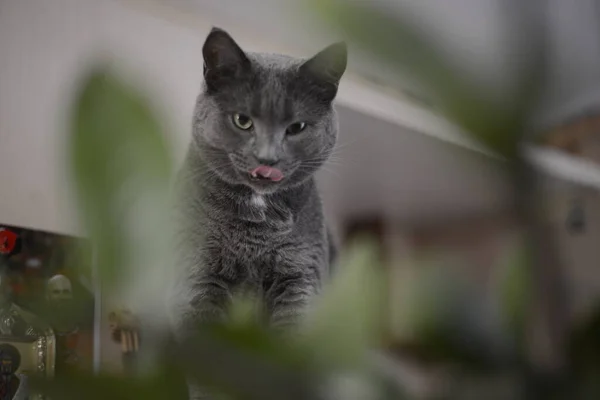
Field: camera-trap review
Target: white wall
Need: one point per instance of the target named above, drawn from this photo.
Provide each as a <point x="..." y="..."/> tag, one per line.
<point x="45" y="47"/>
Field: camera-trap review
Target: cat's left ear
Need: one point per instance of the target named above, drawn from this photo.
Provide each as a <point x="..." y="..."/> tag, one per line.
<point x="329" y="64"/>
<point x="223" y="58"/>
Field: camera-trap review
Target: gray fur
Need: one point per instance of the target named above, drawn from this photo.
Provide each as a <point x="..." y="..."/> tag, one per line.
<point x="238" y="233"/>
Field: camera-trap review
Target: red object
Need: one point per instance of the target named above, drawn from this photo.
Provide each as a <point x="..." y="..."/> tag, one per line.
<point x="8" y="241"/>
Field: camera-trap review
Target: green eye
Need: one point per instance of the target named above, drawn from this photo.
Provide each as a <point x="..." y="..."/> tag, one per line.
<point x="295" y="128"/>
<point x="242" y="121"/>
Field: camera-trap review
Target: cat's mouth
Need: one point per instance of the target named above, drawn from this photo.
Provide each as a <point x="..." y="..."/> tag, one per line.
<point x="266" y="173"/>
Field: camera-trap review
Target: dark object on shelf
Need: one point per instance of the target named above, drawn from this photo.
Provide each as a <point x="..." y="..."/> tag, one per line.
<point x="576" y="218"/>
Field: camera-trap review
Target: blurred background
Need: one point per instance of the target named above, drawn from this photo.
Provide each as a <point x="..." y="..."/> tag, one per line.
<point x="402" y="172"/>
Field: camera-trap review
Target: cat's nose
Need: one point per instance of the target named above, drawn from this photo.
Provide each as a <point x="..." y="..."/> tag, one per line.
<point x="269" y="161"/>
<point x="266" y="152"/>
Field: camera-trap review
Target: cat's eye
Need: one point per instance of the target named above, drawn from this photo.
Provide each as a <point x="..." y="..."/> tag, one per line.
<point x="296" y="128"/>
<point x="242" y="121"/>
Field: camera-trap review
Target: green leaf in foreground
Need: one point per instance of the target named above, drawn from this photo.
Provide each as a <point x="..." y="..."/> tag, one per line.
<point x="242" y="362"/>
<point x="347" y="320"/>
<point x="121" y="170"/>
<point x="396" y="41"/>
<point x="247" y="362"/>
<point x="101" y="387"/>
<point x="446" y="318"/>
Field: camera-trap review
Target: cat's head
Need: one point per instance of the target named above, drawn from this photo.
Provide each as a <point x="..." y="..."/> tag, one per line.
<point x="266" y="121"/>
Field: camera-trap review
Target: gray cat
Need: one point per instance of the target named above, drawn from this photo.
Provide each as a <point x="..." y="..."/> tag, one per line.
<point x="251" y="217"/>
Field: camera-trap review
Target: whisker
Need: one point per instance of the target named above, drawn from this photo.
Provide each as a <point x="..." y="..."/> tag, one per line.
<point x="326" y="162"/>
<point x="345" y="145"/>
<point x="322" y="168"/>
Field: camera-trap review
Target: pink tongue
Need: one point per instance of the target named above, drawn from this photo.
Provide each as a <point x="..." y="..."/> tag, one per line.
<point x="267" y="172"/>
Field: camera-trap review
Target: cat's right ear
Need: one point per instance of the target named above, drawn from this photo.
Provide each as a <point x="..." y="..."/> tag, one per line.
<point x="327" y="68"/>
<point x="223" y="59"/>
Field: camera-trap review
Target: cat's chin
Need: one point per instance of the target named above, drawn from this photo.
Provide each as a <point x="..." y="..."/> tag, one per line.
<point x="263" y="186"/>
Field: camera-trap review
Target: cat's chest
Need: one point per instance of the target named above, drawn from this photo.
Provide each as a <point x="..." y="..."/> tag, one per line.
<point x="257" y="202"/>
<point x="256" y="232"/>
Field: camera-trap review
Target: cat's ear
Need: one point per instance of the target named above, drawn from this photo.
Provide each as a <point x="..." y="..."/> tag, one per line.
<point x="223" y="58"/>
<point x="328" y="66"/>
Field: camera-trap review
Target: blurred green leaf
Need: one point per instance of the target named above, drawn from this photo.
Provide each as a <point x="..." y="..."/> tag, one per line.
<point x="121" y="169"/>
<point x="347" y="319"/>
<point x="396" y="41"/>
<point x="241" y="362"/>
<point x="101" y="387"/>
<point x="515" y="286"/>
<point x="255" y="339"/>
<point x="245" y="310"/>
<point x="246" y="362"/>
<point x="447" y="319"/>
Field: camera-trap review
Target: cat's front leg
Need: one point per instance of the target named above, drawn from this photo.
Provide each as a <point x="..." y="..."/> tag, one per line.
<point x="209" y="299"/>
<point x="288" y="296"/>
